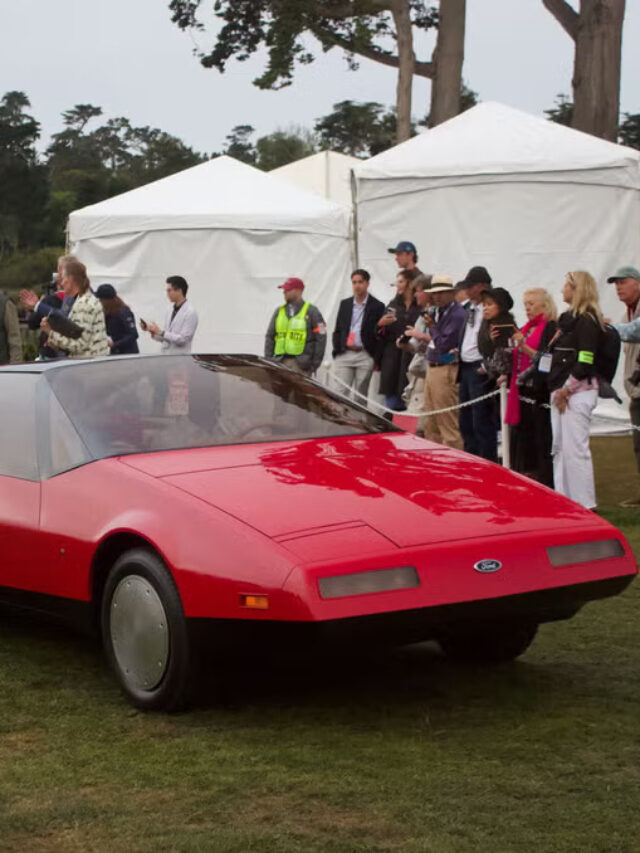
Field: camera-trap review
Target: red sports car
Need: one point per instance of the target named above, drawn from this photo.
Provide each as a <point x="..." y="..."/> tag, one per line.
<point x="176" y="501"/>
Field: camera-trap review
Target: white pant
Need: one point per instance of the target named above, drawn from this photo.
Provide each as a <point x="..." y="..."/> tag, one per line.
<point x="354" y="369"/>
<point x="572" y="465"/>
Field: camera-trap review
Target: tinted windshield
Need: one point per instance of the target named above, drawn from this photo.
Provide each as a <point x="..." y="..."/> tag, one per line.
<point x="168" y="402"/>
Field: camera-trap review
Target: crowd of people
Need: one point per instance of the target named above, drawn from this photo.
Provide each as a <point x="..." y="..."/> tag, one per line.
<point x="439" y="347"/>
<point x="76" y="321"/>
<point x="444" y="348"/>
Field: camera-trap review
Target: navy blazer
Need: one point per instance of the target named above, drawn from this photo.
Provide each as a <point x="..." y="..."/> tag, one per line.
<point x="373" y="310"/>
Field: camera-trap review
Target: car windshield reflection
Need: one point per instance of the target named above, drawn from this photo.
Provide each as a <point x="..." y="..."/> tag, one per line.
<point x="147" y="404"/>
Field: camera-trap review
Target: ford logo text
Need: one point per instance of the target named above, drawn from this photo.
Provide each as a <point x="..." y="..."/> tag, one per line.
<point x="487" y="566"/>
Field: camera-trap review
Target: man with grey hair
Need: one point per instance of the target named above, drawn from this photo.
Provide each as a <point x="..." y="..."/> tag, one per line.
<point x="627" y="283"/>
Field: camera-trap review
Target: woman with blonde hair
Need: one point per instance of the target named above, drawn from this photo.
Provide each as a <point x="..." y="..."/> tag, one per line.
<point x="86" y="312"/>
<point x="528" y="410"/>
<point x="574" y="387"/>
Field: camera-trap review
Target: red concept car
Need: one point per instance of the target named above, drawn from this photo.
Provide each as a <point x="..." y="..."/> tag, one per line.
<point x="182" y="501"/>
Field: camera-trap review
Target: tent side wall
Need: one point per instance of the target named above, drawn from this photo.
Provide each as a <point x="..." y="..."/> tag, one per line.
<point x="526" y="233"/>
<point x="233" y="277"/>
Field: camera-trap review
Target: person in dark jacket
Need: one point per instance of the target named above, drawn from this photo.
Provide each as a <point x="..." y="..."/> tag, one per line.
<point x="574" y="388"/>
<point x="120" y="322"/>
<point x="393" y="361"/>
<point x="528" y="410"/>
<point x="443" y="327"/>
<point x="354" y="337"/>
<point x="34" y="318"/>
<point x="498" y="326"/>
<point x="476" y="421"/>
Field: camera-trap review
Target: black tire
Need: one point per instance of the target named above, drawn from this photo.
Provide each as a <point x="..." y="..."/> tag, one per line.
<point x="489" y="643"/>
<point x="149" y="630"/>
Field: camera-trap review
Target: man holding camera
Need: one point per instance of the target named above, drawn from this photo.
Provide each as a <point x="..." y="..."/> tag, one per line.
<point x="627" y="282"/>
<point x="444" y="321"/>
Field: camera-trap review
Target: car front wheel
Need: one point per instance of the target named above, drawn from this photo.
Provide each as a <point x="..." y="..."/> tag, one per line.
<point x="145" y="633"/>
<point x="488" y="643"/>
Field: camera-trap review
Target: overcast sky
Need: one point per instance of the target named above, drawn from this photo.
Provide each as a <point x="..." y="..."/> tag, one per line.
<point x="128" y="58"/>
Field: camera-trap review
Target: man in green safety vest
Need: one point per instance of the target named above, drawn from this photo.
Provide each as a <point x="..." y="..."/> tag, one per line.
<point x="297" y="334"/>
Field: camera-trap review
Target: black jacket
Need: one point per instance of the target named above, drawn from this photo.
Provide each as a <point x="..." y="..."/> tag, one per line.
<point x="393" y="361"/>
<point x="574" y="350"/>
<point x="121" y="328"/>
<point x="373" y="310"/>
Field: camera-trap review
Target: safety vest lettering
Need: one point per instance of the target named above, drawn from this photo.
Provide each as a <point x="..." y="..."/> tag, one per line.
<point x="291" y="332"/>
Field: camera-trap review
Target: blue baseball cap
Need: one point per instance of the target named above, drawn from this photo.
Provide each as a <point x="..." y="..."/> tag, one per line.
<point x="403" y="246"/>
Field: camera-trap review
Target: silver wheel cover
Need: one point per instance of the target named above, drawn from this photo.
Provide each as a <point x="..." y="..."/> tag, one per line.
<point x="139" y="632"/>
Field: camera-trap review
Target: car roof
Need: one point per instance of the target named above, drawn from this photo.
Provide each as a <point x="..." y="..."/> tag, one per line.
<point x="67" y="363"/>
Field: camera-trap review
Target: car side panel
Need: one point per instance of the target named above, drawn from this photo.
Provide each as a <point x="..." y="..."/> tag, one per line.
<point x="21" y="549"/>
<point x="212" y="556"/>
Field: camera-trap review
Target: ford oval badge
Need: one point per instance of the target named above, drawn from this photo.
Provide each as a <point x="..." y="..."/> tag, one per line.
<point x="487" y="566"/>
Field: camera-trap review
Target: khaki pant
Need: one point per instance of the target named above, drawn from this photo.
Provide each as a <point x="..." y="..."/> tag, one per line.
<point x="440" y="392"/>
<point x="355" y="370"/>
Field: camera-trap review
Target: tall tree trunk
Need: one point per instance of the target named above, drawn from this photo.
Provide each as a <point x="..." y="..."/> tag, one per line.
<point x="406" y="59"/>
<point x="448" y="58"/>
<point x="597" y="33"/>
<point x="596" y="70"/>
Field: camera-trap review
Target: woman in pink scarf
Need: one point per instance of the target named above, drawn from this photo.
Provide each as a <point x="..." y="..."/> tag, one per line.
<point x="528" y="403"/>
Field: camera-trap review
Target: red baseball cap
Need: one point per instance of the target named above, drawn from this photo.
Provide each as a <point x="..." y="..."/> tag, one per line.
<point x="292" y="284"/>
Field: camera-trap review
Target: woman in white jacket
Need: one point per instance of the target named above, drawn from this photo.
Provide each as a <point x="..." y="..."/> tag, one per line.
<point x="86" y="312"/>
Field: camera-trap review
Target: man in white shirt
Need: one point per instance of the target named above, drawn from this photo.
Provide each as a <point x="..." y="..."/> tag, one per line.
<point x="180" y="322"/>
<point x="478" y="426"/>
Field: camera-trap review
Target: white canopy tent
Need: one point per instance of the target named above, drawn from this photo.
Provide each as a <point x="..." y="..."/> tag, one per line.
<point x="235" y="234"/>
<point x="327" y="173"/>
<point x="527" y="198"/>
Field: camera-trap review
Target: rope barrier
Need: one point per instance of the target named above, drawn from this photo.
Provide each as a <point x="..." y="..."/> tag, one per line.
<point x="420" y="413"/>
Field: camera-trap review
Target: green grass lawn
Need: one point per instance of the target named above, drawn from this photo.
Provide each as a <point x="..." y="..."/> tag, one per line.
<point x="402" y="752"/>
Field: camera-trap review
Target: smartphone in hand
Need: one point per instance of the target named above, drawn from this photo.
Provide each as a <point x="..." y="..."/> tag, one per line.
<point x="143" y="325"/>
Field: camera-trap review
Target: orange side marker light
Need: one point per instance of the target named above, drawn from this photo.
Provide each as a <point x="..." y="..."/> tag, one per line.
<point x="255" y="602"/>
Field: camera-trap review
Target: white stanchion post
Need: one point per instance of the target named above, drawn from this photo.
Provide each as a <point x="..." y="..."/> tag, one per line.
<point x="506" y="449"/>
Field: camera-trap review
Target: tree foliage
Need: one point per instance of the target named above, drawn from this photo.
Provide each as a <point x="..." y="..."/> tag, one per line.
<point x="22" y="179"/>
<point x="361" y="130"/>
<point x="284" y="146"/>
<point x="562" y="110"/>
<point x="239" y="144"/>
<point x="84" y="163"/>
<point x="362" y="28"/>
<point x="629" y="132"/>
<point x="88" y="165"/>
<point x="380" y="30"/>
<point x="357" y="129"/>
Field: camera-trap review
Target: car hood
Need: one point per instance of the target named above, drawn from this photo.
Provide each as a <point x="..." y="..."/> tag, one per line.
<point x="410" y="491"/>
